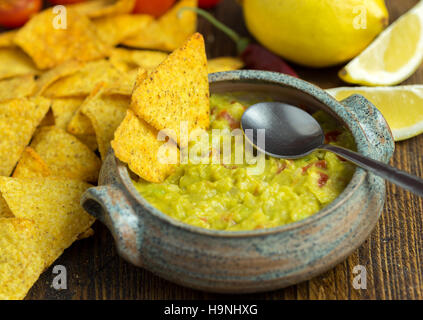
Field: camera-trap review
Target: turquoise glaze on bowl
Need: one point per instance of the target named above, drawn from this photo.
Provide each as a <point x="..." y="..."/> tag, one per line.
<point x="258" y="260"/>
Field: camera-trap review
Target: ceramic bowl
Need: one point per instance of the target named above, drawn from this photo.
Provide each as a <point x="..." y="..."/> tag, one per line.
<point x="258" y="260"/>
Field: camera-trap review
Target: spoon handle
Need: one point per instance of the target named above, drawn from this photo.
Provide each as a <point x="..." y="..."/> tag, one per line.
<point x="403" y="179"/>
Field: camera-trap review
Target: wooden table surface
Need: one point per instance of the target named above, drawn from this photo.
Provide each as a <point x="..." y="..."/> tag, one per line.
<point x="392" y="255"/>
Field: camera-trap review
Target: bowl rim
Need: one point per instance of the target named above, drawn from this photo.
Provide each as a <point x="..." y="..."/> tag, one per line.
<point x="282" y="80"/>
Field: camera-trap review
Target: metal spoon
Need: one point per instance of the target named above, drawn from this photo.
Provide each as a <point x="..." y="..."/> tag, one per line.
<point x="292" y="133"/>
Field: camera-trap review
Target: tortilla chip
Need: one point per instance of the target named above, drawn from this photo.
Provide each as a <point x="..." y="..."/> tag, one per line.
<point x="114" y="29"/>
<point x="65" y="155"/>
<point x="16" y="88"/>
<point x="136" y="144"/>
<point x="90" y="140"/>
<point x="125" y="85"/>
<point x="84" y="81"/>
<point x="53" y="204"/>
<point x="106" y="113"/>
<point x="18" y="121"/>
<point x="21" y="262"/>
<point x="126" y="60"/>
<point x="168" y="32"/>
<point x="184" y="77"/>
<point x="4" y="209"/>
<point x="49" y="47"/>
<point x="47" y="78"/>
<point x="48" y="119"/>
<point x="80" y="125"/>
<point x="14" y="62"/>
<point x="222" y="64"/>
<point x="64" y="109"/>
<point x="6" y="39"/>
<point x="31" y="165"/>
<point x="102" y="8"/>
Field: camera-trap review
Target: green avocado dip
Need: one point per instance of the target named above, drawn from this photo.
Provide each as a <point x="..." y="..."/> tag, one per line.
<point x="229" y="197"/>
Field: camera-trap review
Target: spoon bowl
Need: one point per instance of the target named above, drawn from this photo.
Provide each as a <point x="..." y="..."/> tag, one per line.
<point x="289" y="131"/>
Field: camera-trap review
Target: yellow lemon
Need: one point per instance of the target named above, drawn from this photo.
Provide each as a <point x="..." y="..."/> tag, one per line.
<point x="402" y="106"/>
<point x="316" y="33"/>
<point x="393" y="56"/>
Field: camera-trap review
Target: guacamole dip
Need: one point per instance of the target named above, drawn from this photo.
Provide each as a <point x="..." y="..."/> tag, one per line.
<point x="230" y="197"/>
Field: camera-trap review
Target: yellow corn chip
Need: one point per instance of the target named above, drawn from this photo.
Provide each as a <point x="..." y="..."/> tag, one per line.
<point x="224" y="64"/>
<point x="50" y="46"/>
<point x="125" y="85"/>
<point x="186" y="96"/>
<point x="136" y="144"/>
<point x="169" y="31"/>
<point x="80" y="125"/>
<point x="47" y="78"/>
<point x="18" y="121"/>
<point x="65" y="155"/>
<point x="126" y="60"/>
<point x="48" y="119"/>
<point x="6" y="39"/>
<point x="114" y="29"/>
<point x="31" y="165"/>
<point x="106" y="113"/>
<point x="101" y="8"/>
<point x="4" y="209"/>
<point x="53" y="204"/>
<point x="84" y="81"/>
<point x="21" y="262"/>
<point x="14" y="62"/>
<point x="89" y="140"/>
<point x="16" y="88"/>
<point x="64" y="109"/>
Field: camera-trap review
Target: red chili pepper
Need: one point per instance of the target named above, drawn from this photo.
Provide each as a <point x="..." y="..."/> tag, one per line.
<point x="253" y="55"/>
<point x="206" y="4"/>
<point x="259" y="58"/>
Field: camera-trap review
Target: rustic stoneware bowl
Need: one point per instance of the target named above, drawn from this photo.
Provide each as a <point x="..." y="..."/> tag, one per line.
<point x="258" y="260"/>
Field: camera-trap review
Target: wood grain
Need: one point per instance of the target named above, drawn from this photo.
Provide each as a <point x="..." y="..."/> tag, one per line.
<point x="392" y="255"/>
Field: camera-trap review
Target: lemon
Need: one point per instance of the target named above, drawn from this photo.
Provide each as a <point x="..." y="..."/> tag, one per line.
<point x="393" y="56"/>
<point x="402" y="106"/>
<point x="316" y="33"/>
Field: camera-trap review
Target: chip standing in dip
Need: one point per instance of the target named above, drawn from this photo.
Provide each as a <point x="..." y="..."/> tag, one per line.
<point x="230" y="197"/>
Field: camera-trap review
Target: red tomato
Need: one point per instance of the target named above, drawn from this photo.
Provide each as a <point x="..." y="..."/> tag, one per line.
<point x="14" y="13"/>
<point x="65" y="1"/>
<point x="155" y="8"/>
<point x="206" y="4"/>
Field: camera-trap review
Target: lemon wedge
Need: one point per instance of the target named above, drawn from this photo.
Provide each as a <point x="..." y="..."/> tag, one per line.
<point x="393" y="56"/>
<point x="402" y="106"/>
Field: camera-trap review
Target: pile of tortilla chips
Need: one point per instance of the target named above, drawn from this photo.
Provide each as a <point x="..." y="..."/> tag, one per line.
<point x="65" y="94"/>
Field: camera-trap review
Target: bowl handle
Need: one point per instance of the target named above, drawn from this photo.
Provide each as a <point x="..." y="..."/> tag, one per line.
<point x="375" y="127"/>
<point x="112" y="207"/>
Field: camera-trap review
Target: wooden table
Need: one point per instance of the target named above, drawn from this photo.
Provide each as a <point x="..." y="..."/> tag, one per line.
<point x="393" y="254"/>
